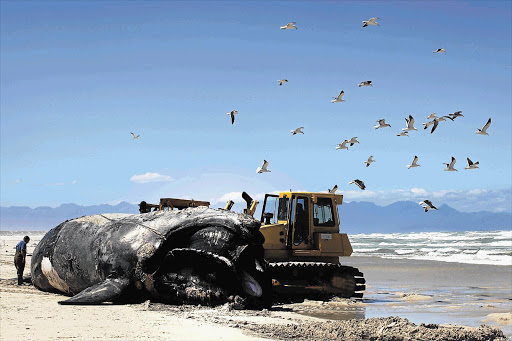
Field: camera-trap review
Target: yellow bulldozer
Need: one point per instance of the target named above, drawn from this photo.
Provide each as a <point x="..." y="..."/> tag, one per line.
<point x="303" y="243"/>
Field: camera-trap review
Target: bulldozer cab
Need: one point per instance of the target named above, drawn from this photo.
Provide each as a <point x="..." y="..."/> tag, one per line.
<point x="305" y="217"/>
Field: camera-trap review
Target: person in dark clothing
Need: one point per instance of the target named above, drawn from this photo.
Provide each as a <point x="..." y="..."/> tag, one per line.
<point x="19" y="258"/>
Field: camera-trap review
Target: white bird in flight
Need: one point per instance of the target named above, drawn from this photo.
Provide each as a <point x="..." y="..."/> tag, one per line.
<point x="410" y="124"/>
<point x="342" y="145"/>
<point x="370" y="21"/>
<point x="428" y="124"/>
<point x="263" y="168"/>
<point x="483" y="131"/>
<point x="435" y="122"/>
<point x="297" y="131"/>
<point x="449" y="166"/>
<point x="365" y="83"/>
<point x="431" y="116"/>
<point x="472" y="165"/>
<point x="232" y="114"/>
<point x="369" y="161"/>
<point x="353" y="141"/>
<point x="135" y="137"/>
<point x="281" y="81"/>
<point x="339" y="98"/>
<point x="289" y="26"/>
<point x="427" y="205"/>
<point x="359" y="183"/>
<point x="454" y="115"/>
<point x="333" y="190"/>
<point x="382" y="124"/>
<point x="403" y="133"/>
<point x="414" y="163"/>
<point x="439" y="51"/>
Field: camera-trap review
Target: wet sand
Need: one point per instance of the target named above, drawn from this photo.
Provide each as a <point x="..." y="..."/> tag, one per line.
<point x="421" y="291"/>
<point x="437" y="292"/>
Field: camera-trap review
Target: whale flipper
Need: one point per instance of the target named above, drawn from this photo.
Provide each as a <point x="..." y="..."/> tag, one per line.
<point x="105" y="291"/>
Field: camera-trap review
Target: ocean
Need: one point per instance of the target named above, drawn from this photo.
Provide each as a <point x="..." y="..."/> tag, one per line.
<point x="474" y="247"/>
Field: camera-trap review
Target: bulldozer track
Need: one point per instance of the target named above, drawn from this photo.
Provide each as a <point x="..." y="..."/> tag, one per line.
<point x="311" y="277"/>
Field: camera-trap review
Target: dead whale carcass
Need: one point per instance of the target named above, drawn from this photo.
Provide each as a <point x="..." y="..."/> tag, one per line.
<point x="198" y="256"/>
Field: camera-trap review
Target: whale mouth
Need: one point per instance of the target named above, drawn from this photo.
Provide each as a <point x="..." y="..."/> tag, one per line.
<point x="191" y="276"/>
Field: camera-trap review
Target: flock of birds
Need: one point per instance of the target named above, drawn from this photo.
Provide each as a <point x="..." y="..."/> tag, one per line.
<point x="434" y="122"/>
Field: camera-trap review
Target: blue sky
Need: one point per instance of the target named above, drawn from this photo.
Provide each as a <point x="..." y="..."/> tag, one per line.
<point x="78" y="77"/>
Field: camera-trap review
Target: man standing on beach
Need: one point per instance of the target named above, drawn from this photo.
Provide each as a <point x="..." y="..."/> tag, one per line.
<point x="19" y="258"/>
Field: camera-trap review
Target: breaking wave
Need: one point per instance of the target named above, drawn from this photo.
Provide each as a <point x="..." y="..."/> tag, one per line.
<point x="474" y="247"/>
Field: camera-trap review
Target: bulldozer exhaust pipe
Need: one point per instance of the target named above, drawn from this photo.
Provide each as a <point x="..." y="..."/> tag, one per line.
<point x="251" y="204"/>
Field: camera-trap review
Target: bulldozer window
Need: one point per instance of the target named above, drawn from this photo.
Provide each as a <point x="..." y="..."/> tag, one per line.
<point x="268" y="214"/>
<point x="282" y="213"/>
<point x="322" y="213"/>
<point x="301" y="225"/>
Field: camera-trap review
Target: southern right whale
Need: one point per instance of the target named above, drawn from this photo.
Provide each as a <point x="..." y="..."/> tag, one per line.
<point x="197" y="255"/>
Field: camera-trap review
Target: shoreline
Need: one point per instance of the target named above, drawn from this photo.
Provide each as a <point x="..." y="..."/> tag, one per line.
<point x="424" y="292"/>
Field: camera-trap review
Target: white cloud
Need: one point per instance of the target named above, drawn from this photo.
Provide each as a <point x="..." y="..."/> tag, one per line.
<point x="237" y="197"/>
<point x="418" y="191"/>
<point x="150" y="177"/>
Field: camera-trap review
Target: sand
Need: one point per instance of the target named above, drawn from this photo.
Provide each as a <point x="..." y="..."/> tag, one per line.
<point x="36" y="315"/>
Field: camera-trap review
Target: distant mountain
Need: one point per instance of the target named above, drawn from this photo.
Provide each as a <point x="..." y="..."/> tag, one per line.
<point x="356" y="217"/>
<point x="408" y="216"/>
<point x="45" y="218"/>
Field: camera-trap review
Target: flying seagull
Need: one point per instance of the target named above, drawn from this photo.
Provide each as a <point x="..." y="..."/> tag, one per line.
<point x="232" y="113"/>
<point x="370" y="160"/>
<point x="135" y="137"/>
<point x="471" y="165"/>
<point x="435" y="122"/>
<point x="333" y="190"/>
<point x="382" y="124"/>
<point x="483" y="131"/>
<point x="410" y="124"/>
<point x="403" y="133"/>
<point x="439" y="51"/>
<point x="342" y="145"/>
<point x="263" y="168"/>
<point x="289" y="26"/>
<point x="370" y="21"/>
<point x="297" y="131"/>
<point x="431" y="116"/>
<point x="449" y="166"/>
<point x="414" y="163"/>
<point x="281" y="81"/>
<point x="365" y="83"/>
<point x="353" y="141"/>
<point x="428" y="124"/>
<point x="454" y="115"/>
<point x="359" y="183"/>
<point x="339" y="98"/>
<point x="428" y="205"/>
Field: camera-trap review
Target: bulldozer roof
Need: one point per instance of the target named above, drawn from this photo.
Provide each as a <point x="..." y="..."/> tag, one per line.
<point x="337" y="197"/>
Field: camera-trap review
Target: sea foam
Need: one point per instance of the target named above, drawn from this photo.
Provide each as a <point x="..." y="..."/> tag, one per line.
<point x="474" y="247"/>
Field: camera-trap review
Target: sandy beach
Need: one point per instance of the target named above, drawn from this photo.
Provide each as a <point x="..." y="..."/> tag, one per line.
<point x="434" y="300"/>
